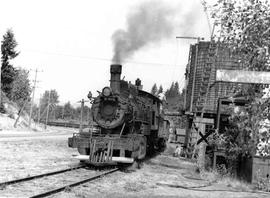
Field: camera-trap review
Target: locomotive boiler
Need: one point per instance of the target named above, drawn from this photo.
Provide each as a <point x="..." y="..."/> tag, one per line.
<point x="129" y="124"/>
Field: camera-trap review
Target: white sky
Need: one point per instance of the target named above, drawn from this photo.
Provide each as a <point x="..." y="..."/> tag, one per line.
<point x="70" y="41"/>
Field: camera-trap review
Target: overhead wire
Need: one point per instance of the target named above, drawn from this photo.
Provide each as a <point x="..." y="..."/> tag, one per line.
<point x="100" y="58"/>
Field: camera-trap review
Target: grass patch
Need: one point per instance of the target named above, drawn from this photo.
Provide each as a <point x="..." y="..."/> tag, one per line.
<point x="223" y="177"/>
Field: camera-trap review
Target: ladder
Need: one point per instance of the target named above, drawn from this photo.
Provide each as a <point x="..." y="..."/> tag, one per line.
<point x="206" y="79"/>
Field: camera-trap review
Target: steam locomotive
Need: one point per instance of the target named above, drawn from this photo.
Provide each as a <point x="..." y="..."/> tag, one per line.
<point x="129" y="124"/>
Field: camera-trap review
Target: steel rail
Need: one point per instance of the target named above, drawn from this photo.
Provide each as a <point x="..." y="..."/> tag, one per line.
<point x="57" y="190"/>
<point x="39" y="176"/>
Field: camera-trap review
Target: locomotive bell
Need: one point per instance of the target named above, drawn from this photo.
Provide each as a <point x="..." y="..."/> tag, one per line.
<point x="116" y="70"/>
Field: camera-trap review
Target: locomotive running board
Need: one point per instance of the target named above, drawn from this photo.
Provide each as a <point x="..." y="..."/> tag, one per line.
<point x="125" y="160"/>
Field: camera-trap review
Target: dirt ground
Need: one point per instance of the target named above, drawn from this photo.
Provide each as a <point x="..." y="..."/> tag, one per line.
<point x="163" y="176"/>
<point x="27" y="153"/>
<point x="30" y="153"/>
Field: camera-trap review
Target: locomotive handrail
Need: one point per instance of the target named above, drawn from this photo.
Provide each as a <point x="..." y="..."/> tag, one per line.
<point x="122" y="129"/>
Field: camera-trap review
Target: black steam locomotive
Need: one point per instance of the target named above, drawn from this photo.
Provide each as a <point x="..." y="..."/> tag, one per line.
<point x="129" y="124"/>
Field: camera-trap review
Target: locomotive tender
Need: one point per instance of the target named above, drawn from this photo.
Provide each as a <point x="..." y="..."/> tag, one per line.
<point x="130" y="124"/>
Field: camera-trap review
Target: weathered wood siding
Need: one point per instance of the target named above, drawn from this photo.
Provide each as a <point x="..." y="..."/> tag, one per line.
<point x="223" y="59"/>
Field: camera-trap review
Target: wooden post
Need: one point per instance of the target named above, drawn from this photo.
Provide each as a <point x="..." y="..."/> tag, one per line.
<point x="39" y="106"/>
<point x="33" y="97"/>
<point x="19" y="113"/>
<point x="81" y="119"/>
<point x="87" y="116"/>
<point x="48" y="108"/>
<point x="63" y="112"/>
<point x="202" y="148"/>
<point x="201" y="125"/>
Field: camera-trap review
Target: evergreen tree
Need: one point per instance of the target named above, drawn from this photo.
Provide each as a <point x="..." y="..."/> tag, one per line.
<point x="175" y="100"/>
<point x="170" y="92"/>
<point x="8" y="51"/>
<point x="160" y="89"/>
<point x="176" y="89"/>
<point x="154" y="89"/>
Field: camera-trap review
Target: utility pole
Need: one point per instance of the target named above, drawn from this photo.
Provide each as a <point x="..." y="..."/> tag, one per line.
<point x="88" y="115"/>
<point x="48" y="108"/>
<point x="19" y="113"/>
<point x="63" y="112"/>
<point x="39" y="106"/>
<point x="81" y="120"/>
<point x="33" y="97"/>
<point x="81" y="117"/>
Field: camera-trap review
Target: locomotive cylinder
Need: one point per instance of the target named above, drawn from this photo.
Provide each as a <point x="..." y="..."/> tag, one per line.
<point x="115" y="70"/>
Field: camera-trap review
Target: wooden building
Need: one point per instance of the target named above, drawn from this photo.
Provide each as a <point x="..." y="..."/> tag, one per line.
<point x="202" y="89"/>
<point x="204" y="59"/>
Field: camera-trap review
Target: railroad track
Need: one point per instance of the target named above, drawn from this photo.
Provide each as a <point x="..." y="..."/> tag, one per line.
<point x="59" y="189"/>
<point x="39" y="176"/>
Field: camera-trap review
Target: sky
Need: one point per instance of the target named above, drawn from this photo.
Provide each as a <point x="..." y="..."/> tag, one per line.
<point x="70" y="44"/>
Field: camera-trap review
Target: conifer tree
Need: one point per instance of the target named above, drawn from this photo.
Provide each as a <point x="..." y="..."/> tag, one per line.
<point x="160" y="89"/>
<point x="8" y="51"/>
<point x="154" y="89"/>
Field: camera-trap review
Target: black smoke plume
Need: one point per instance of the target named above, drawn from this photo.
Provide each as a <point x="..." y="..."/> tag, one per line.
<point x="149" y="22"/>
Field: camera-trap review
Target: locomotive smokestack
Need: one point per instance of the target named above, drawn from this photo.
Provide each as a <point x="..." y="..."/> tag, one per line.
<point x="116" y="70"/>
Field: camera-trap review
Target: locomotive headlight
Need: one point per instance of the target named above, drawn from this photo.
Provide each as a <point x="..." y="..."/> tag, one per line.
<point x="106" y="91"/>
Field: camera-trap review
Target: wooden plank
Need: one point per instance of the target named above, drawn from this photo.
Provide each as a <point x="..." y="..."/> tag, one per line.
<point x="241" y="76"/>
<point x="204" y="120"/>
